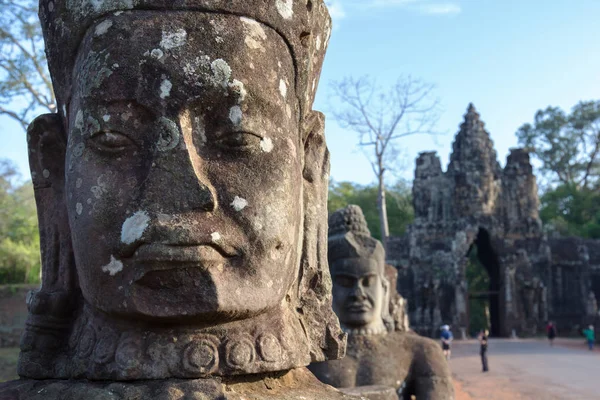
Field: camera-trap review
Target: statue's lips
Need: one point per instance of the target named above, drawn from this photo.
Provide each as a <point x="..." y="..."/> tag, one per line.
<point x="358" y="307"/>
<point x="167" y="266"/>
<point x="168" y="254"/>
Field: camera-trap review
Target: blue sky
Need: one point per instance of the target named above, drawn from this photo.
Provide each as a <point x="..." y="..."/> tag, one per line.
<point x="509" y="57"/>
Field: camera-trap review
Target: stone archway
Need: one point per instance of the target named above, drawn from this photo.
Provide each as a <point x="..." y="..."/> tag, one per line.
<point x="484" y="282"/>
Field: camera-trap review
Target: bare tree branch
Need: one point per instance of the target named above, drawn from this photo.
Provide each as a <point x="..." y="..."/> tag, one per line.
<point x="382" y="116"/>
<point x="14" y="116"/>
<point x="25" y="84"/>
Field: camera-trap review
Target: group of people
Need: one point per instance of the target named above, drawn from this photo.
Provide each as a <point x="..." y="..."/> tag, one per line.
<point x="588" y="333"/>
<point x="446" y="337"/>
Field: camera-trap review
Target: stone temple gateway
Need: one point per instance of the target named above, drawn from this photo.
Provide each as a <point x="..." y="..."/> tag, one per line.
<point x="532" y="279"/>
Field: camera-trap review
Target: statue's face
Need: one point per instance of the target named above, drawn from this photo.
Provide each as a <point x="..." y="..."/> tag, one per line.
<point x="358" y="292"/>
<point x="184" y="166"/>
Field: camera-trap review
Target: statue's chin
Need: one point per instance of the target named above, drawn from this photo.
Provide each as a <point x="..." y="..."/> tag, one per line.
<point x="197" y="312"/>
<point x="180" y="302"/>
<point x="359" y="320"/>
<point x="356" y="324"/>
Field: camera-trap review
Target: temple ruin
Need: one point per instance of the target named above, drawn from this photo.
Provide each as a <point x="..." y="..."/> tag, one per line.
<point x="476" y="203"/>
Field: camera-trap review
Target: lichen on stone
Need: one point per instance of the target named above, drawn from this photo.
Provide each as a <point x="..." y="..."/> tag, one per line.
<point x="171" y="40"/>
<point x="113" y="267"/>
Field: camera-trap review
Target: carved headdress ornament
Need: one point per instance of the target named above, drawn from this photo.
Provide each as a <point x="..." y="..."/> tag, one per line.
<point x="305" y="26"/>
<point x="349" y="237"/>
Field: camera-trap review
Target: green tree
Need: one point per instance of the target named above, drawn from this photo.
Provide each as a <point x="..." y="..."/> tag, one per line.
<point x="398" y="199"/>
<point x="19" y="235"/>
<point x="571" y="211"/>
<point x="479" y="281"/>
<point x="25" y="85"/>
<point x="568" y="145"/>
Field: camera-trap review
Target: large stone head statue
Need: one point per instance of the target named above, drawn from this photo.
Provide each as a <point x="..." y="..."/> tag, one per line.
<point x="181" y="191"/>
<point x="361" y="290"/>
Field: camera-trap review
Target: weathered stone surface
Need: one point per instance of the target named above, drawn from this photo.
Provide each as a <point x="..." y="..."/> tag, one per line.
<point x="575" y="279"/>
<point x="288" y="385"/>
<point x="476" y="202"/>
<point x="409" y="363"/>
<point x="13" y="313"/>
<point x="372" y="392"/>
<point x="181" y="193"/>
<point x="381" y="350"/>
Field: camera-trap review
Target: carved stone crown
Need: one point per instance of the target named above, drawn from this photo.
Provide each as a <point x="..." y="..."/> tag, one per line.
<point x="305" y="26"/>
<point x="349" y="236"/>
<point x="349" y="219"/>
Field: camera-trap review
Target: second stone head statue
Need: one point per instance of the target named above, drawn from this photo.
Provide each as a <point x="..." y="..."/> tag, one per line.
<point x="381" y="349"/>
<point x="361" y="290"/>
<point x="181" y="191"/>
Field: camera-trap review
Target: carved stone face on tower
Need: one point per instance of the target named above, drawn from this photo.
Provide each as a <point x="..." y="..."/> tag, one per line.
<point x="185" y="164"/>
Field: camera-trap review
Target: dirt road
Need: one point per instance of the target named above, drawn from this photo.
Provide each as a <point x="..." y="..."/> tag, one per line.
<point x="527" y="369"/>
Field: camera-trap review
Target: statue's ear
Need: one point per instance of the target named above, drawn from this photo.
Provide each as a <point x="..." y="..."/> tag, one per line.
<point x="386" y="288"/>
<point x="387" y="298"/>
<point x="327" y="341"/>
<point x="47" y="143"/>
<point x="51" y="307"/>
<point x="316" y="185"/>
<point x="316" y="154"/>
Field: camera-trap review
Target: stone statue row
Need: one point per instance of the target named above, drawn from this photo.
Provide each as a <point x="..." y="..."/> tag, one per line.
<point x="182" y="201"/>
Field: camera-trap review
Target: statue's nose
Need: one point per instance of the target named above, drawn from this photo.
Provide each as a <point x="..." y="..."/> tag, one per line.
<point x="358" y="293"/>
<point x="177" y="182"/>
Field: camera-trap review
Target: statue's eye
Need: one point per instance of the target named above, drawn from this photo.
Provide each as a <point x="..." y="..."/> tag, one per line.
<point x="111" y="142"/>
<point x="368" y="281"/>
<point x="344" y="281"/>
<point x="240" y="141"/>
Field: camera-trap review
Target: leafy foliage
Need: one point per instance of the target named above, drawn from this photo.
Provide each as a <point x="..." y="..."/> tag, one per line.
<point x="479" y="281"/>
<point x="399" y="204"/>
<point x="571" y="211"/>
<point x="25" y="85"/>
<point x="568" y="145"/>
<point x="19" y="235"/>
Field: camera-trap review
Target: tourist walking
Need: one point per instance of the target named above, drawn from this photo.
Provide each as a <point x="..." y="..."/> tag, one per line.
<point x="483" y="341"/>
<point x="551" y="332"/>
<point x="590" y="336"/>
<point x="446" y="338"/>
